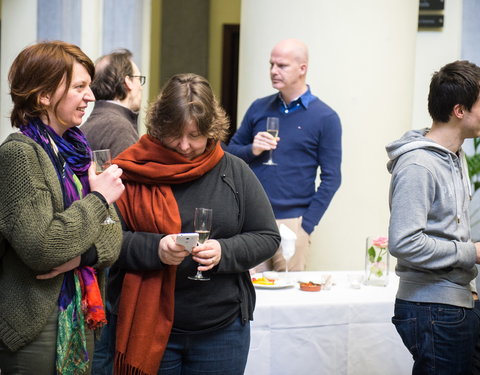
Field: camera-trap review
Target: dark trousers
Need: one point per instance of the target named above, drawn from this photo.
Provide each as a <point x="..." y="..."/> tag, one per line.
<point x="105" y="348"/>
<point x="441" y="338"/>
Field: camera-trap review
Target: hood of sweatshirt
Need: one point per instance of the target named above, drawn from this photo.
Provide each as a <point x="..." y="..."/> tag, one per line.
<point x="414" y="140"/>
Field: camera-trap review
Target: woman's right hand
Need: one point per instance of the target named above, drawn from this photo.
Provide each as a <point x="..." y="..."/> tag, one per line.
<point x="169" y="252"/>
<point x="107" y="183"/>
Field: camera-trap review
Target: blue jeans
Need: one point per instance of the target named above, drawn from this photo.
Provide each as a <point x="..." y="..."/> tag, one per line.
<point x="104" y="354"/>
<point x="223" y="352"/>
<point x="441" y="338"/>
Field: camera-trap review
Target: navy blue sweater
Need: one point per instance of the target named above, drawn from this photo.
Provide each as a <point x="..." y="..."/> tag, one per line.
<point x="310" y="137"/>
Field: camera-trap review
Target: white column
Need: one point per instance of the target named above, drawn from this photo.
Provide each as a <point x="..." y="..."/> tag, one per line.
<point x="145" y="66"/>
<point x="18" y="29"/>
<point x="91" y="34"/>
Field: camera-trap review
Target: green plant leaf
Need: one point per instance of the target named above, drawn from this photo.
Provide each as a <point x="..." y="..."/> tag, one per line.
<point x="473" y="163"/>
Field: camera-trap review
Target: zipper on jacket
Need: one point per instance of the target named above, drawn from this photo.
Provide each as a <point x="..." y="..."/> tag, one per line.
<point x="226" y="180"/>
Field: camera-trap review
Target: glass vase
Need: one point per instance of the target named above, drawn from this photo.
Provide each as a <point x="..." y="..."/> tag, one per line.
<point x="377" y="261"/>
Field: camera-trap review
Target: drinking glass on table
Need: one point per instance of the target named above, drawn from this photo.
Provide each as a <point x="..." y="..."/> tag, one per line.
<point x="203" y="224"/>
<point x="272" y="129"/>
<point x="103" y="160"/>
<point x="287" y="253"/>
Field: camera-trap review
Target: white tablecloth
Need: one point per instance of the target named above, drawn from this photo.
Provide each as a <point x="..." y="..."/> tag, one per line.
<point x="334" y="332"/>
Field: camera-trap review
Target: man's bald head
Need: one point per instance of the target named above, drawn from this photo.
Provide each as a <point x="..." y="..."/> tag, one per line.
<point x="288" y="68"/>
<point x="293" y="47"/>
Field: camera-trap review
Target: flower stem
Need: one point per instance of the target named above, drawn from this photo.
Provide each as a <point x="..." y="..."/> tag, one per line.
<point x="377" y="258"/>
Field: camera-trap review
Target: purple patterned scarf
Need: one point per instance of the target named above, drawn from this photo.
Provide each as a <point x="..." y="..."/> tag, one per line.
<point x="73" y="157"/>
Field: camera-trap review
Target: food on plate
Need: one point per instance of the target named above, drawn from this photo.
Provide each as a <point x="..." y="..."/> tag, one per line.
<point x="262" y="281"/>
<point x="310" y="286"/>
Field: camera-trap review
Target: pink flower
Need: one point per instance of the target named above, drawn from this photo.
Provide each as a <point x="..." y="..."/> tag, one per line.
<point x="381" y="242"/>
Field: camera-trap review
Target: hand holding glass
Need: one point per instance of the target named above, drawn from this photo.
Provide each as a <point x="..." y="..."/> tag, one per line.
<point x="203" y="224"/>
<point x="272" y="129"/>
<point x="103" y="160"/>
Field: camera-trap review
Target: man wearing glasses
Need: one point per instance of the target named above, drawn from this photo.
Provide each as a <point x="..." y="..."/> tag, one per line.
<point x="118" y="90"/>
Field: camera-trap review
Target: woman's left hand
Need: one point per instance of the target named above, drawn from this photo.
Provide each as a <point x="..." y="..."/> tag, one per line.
<point x="65" y="267"/>
<point x="207" y="255"/>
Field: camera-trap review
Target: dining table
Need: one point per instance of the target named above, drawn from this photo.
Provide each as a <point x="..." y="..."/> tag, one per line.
<point x="345" y="328"/>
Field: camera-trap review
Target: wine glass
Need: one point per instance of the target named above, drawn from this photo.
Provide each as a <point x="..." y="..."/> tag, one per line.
<point x="203" y="224"/>
<point x="103" y="160"/>
<point x="272" y="129"/>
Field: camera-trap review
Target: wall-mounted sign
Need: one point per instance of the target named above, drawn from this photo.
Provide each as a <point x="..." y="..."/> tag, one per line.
<point x="432" y="4"/>
<point x="430" y="20"/>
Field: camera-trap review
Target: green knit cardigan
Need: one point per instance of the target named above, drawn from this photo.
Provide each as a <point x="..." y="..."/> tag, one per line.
<point x="38" y="234"/>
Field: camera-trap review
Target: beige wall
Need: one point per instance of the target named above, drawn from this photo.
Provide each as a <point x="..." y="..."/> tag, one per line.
<point x="362" y="60"/>
<point x="433" y="50"/>
<point x="221" y="12"/>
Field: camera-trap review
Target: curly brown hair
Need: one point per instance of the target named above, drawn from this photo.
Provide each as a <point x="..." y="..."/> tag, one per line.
<point x="39" y="70"/>
<point x="186" y="97"/>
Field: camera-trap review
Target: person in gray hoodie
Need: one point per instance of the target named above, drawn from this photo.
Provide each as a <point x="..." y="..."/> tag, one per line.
<point x="429" y="231"/>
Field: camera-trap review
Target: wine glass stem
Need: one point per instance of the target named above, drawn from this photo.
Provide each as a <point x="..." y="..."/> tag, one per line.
<point x="271" y="155"/>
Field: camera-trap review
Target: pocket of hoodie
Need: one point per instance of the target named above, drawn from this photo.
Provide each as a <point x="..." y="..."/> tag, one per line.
<point x="461" y="276"/>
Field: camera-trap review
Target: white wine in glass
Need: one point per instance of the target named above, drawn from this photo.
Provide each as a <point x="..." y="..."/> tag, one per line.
<point x="272" y="129"/>
<point x="202" y="236"/>
<point x="103" y="160"/>
<point x="202" y="223"/>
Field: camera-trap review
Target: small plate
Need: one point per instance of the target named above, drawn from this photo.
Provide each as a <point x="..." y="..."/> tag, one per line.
<point x="279" y="284"/>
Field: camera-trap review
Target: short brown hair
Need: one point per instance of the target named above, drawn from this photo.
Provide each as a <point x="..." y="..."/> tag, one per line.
<point x="455" y="83"/>
<point x="39" y="70"/>
<point x="187" y="97"/>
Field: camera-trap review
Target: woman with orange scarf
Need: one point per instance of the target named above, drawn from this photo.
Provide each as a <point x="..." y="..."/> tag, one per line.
<point x="167" y="323"/>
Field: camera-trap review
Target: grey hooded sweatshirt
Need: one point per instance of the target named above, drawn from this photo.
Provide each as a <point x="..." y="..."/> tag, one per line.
<point x="429" y="230"/>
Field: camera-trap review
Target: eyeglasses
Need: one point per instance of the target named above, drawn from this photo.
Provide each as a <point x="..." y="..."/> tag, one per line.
<point x="141" y="78"/>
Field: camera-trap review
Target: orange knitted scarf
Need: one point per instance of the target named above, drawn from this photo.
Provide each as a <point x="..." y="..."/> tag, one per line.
<point x="145" y="315"/>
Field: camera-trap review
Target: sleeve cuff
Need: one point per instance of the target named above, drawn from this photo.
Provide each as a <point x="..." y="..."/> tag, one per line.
<point x="101" y="197"/>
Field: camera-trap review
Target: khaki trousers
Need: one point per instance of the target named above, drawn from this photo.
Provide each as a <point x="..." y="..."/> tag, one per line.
<point x="37" y="357"/>
<point x="302" y="246"/>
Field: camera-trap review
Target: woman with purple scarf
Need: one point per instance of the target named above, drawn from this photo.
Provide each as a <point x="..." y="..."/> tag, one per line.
<point x="53" y="245"/>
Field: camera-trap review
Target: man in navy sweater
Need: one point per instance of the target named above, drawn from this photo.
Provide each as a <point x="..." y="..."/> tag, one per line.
<point x="309" y="138"/>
